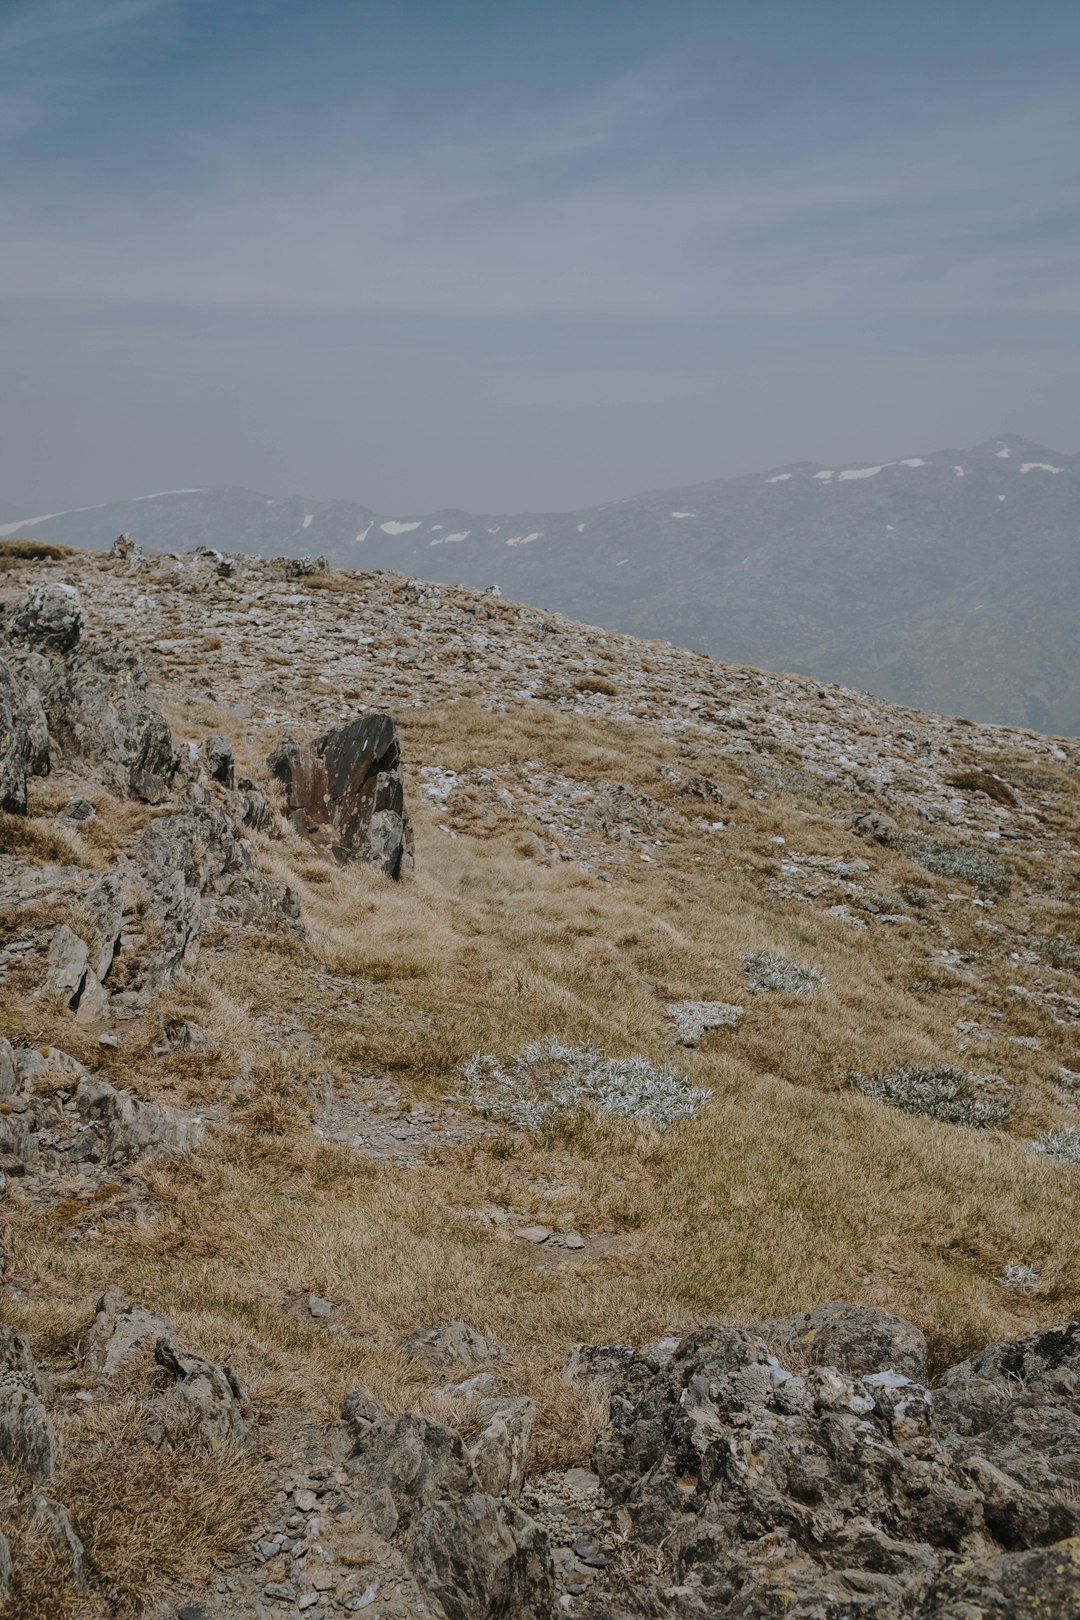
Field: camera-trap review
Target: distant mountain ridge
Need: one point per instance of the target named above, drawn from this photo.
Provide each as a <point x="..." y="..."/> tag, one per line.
<point x="948" y="580"/>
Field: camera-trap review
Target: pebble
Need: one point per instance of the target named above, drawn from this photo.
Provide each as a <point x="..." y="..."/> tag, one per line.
<point x="319" y="1308"/>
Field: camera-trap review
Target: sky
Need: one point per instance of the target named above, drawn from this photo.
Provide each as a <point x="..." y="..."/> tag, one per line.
<point x="514" y="254"/>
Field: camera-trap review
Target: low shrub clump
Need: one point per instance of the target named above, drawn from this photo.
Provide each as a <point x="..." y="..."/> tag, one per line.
<point x="1060" y="1144"/>
<point x="767" y="971"/>
<point x="976" y="781"/>
<point x="596" y="685"/>
<point x="943" y="1093"/>
<point x="548" y="1078"/>
<point x="1059" y="952"/>
<point x="975" y="866"/>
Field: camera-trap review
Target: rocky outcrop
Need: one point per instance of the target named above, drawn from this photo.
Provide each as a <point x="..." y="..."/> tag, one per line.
<point x="198" y="868"/>
<point x="482" y="1559"/>
<point x="14" y="746"/>
<point x="118" y="1332"/>
<point x="471" y="1552"/>
<point x="344" y="792"/>
<point x="818" y="1492"/>
<point x="102" y="714"/>
<point x="92" y="697"/>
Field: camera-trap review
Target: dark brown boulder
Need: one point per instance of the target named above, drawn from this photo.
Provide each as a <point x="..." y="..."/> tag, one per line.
<point x="344" y="792"/>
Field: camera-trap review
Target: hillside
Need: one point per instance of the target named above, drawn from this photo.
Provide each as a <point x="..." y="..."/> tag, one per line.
<point x="280" y="1143"/>
<point x="948" y="580"/>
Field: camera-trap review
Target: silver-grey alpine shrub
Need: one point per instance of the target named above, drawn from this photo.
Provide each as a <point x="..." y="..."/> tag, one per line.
<point x="548" y="1078"/>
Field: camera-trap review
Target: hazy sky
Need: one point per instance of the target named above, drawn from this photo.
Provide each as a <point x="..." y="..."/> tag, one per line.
<point x="510" y="253"/>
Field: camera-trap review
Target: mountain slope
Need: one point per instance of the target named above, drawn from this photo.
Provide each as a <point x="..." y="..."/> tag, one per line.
<point x="949" y="581"/>
<point x="811" y="966"/>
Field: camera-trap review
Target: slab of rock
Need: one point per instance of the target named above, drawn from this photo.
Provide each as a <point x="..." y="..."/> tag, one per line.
<point x="218" y="758"/>
<point x="450" y="1347"/>
<point x="482" y="1559"/>
<point x="344" y="792"/>
<point x="68" y="958"/>
<point x="854" y="1338"/>
<point x="130" y="1127"/>
<point x="500" y="1452"/>
<point x="105" y="906"/>
<point x="399" y="1465"/>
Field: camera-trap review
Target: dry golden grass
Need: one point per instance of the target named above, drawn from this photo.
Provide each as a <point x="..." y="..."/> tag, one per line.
<point x="149" y="1512"/>
<point x="791" y="1189"/>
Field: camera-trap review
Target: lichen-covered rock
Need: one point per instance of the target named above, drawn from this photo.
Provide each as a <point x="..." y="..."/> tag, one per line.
<point x="450" y="1347"/>
<point x="482" y="1559"/>
<point x="104" y="716"/>
<point x="14" y="746"/>
<point x="49" y="619"/>
<point x="816" y="1493"/>
<point x="344" y="792"/>
<point x="1042" y="1584"/>
<point x="854" y="1338"/>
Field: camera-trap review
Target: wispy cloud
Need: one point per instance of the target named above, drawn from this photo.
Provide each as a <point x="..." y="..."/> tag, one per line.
<point x="971" y="219"/>
<point x="64" y="23"/>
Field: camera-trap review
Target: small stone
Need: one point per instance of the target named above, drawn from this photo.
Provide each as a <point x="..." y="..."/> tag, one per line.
<point x="572" y="1240"/>
<point x="306" y="1501"/>
<point x="319" y="1308"/>
<point x="533" y="1234"/>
